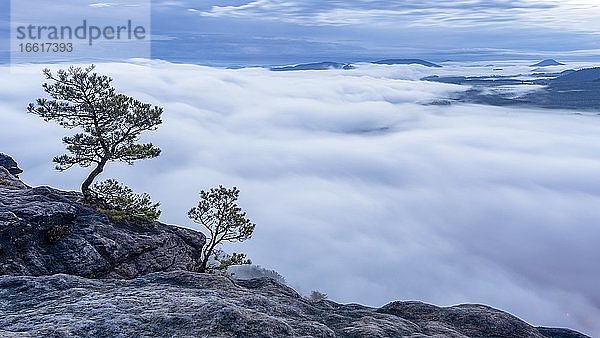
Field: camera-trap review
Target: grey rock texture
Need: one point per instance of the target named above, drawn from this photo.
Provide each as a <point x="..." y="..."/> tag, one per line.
<point x="463" y="320"/>
<point x="10" y="165"/>
<point x="187" y="304"/>
<point x="44" y="231"/>
<point x="560" y="333"/>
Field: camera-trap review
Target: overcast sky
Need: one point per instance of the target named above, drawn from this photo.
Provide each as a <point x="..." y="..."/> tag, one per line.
<point x="364" y="29"/>
<point x="242" y="32"/>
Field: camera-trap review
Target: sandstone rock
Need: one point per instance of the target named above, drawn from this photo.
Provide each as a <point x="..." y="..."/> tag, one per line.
<point x="463" y="320"/>
<point x="10" y="165"/>
<point x="9" y="181"/>
<point x="560" y="333"/>
<point x="187" y="304"/>
<point x="44" y="231"/>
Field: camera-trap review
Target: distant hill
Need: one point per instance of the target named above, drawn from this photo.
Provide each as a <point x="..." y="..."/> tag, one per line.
<point x="314" y="66"/>
<point x="540" y="72"/>
<point x="547" y="62"/>
<point x="407" y="62"/>
<point x="583" y="75"/>
<point x="568" y="89"/>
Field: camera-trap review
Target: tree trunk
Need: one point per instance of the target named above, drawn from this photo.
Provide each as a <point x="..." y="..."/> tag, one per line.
<point x="206" y="256"/>
<point x="204" y="263"/>
<point x="85" y="187"/>
<point x="202" y="268"/>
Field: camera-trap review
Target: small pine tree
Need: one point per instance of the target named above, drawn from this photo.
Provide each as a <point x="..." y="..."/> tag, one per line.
<point x="225" y="260"/>
<point x="110" y="123"/>
<point x="218" y="212"/>
<point x="120" y="203"/>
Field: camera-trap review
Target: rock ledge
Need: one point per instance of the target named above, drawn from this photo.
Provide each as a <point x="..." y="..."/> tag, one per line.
<point x="44" y="231"/>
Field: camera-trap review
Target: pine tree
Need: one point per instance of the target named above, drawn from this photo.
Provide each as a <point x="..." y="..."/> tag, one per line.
<point x="219" y="213"/>
<point x="109" y="123"/>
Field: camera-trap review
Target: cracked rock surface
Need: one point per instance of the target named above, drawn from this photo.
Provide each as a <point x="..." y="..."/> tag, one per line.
<point x="187" y="304"/>
<point x="10" y="164"/>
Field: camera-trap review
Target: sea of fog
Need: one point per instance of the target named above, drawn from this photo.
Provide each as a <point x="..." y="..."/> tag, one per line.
<point x="361" y="188"/>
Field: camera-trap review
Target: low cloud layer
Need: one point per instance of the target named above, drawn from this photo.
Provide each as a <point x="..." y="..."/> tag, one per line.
<point x="360" y="191"/>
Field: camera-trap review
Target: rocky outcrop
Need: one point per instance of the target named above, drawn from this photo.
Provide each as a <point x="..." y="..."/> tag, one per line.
<point x="560" y="333"/>
<point x="10" y="165"/>
<point x="468" y="320"/>
<point x="44" y="231"/>
<point x="68" y="271"/>
<point x="186" y="304"/>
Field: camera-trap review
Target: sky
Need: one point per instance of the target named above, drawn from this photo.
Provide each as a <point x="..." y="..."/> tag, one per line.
<point x="275" y="32"/>
<point x="4" y="30"/>
<point x="358" y="187"/>
<point x="278" y="31"/>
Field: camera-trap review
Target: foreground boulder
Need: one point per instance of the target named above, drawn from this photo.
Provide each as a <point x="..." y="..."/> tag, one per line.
<point x="187" y="304"/>
<point x="44" y="231"/>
